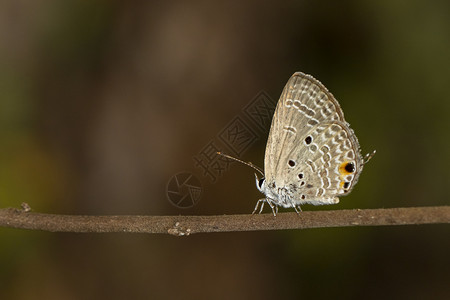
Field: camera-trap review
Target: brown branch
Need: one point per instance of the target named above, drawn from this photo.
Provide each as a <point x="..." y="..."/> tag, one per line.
<point x="186" y="225"/>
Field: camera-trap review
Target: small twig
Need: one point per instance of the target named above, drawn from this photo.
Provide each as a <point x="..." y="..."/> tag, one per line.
<point x="186" y="225"/>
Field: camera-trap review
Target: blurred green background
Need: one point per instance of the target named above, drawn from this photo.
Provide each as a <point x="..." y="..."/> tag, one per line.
<point x="102" y="102"/>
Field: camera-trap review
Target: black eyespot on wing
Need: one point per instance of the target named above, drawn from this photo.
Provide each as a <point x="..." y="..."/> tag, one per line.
<point x="308" y="140"/>
<point x="303" y="197"/>
<point x="261" y="181"/>
<point x="346" y="185"/>
<point x="350" y="167"/>
<point x="300" y="175"/>
<point x="291" y="163"/>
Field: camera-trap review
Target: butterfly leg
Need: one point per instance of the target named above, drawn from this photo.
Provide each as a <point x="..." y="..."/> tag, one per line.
<point x="262" y="201"/>
<point x="257" y="204"/>
<point x="298" y="209"/>
<point x="262" y="205"/>
<point x="273" y="207"/>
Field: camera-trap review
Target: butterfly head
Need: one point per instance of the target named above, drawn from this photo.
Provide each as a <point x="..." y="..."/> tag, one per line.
<point x="260" y="183"/>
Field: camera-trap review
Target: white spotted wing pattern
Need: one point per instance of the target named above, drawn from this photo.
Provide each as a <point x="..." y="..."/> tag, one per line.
<point x="312" y="154"/>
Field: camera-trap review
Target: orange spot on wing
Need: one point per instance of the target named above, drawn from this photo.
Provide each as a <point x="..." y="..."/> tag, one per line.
<point x="342" y="169"/>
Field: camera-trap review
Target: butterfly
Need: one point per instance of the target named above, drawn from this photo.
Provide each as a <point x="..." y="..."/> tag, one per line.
<point x="312" y="155"/>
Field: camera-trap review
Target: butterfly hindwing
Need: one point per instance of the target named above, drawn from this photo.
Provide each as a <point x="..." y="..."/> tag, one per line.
<point x="327" y="164"/>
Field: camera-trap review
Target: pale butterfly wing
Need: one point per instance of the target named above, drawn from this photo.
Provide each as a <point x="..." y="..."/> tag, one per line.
<point x="312" y="155"/>
<point x="304" y="103"/>
<point x="323" y="168"/>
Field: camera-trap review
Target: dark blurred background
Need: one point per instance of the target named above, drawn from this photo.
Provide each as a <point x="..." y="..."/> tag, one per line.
<point x="102" y="102"/>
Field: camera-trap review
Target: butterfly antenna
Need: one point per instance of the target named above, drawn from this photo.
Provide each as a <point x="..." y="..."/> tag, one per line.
<point x="369" y="156"/>
<point x="242" y="162"/>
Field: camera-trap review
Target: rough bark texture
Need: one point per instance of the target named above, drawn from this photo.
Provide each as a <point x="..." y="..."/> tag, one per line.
<point x="186" y="225"/>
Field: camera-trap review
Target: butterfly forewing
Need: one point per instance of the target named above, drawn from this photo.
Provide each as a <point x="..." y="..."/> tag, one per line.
<point x="303" y="104"/>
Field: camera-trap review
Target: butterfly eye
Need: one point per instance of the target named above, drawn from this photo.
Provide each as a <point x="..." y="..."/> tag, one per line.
<point x="261" y="181"/>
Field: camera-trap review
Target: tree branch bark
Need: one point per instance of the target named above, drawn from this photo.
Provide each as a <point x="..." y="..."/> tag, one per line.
<point x="186" y="225"/>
